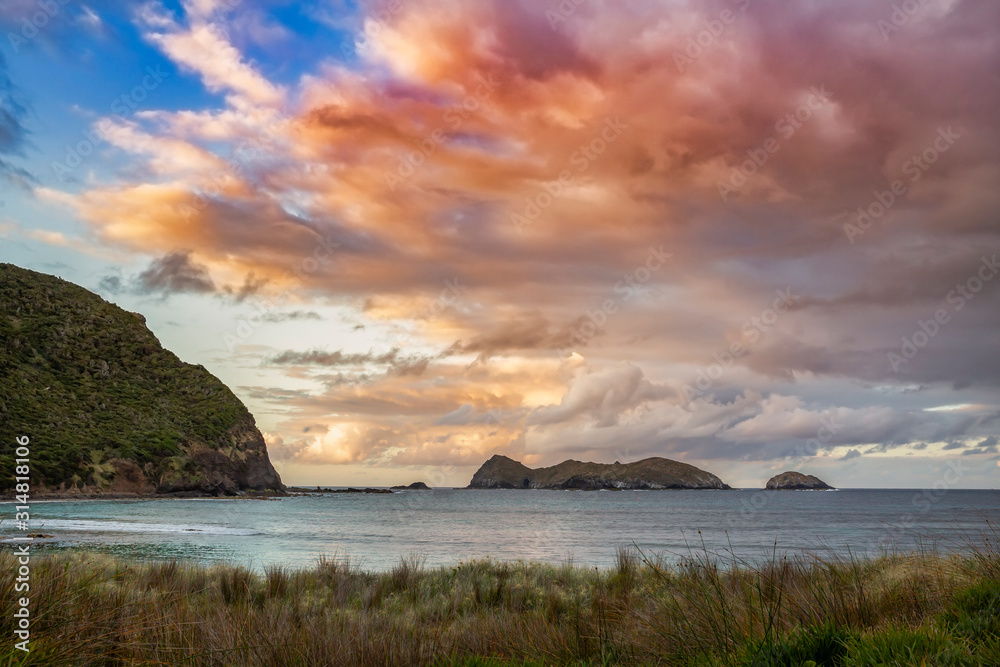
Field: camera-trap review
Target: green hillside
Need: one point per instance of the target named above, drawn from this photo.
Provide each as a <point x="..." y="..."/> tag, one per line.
<point x="100" y="399"/>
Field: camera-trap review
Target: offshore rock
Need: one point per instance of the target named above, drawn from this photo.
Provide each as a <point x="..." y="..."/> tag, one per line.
<point x="501" y="472"/>
<point x="796" y="481"/>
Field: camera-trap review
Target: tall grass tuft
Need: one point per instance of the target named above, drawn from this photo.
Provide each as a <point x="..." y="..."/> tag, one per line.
<point x="709" y="609"/>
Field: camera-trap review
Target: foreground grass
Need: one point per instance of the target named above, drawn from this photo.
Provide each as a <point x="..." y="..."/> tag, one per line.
<point x="915" y="609"/>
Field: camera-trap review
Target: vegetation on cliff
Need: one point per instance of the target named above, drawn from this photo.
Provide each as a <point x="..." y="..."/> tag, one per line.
<point x="107" y="409"/>
<point x="501" y="472"/>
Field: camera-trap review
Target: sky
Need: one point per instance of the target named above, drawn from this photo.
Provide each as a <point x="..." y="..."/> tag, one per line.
<point x="750" y="235"/>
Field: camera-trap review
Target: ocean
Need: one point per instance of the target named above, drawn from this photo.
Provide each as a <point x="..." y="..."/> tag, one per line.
<point x="445" y="526"/>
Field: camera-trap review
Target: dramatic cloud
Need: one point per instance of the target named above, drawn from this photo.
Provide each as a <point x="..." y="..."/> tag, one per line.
<point x="291" y="316"/>
<point x="986" y="446"/>
<point x="529" y="332"/>
<point x="176" y="272"/>
<point x="602" y="396"/>
<point x="396" y="364"/>
<point x="609" y="231"/>
<point x="316" y="357"/>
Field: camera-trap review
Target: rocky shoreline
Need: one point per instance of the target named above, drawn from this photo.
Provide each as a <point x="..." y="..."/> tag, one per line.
<point x="244" y="495"/>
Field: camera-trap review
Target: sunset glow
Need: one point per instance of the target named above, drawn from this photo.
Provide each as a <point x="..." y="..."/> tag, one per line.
<point x="410" y="235"/>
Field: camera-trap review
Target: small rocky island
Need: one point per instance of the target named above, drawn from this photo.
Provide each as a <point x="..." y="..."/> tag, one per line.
<point x="501" y="472"/>
<point x="796" y="481"/>
<point x="416" y="486"/>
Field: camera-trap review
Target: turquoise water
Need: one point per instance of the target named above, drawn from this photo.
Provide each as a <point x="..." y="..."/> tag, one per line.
<point x="445" y="526"/>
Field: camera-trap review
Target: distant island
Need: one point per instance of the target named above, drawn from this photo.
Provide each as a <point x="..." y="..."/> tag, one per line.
<point x="796" y="481"/>
<point x="416" y="486"/>
<point x="108" y="411"/>
<point x="502" y="472"/>
<point x="305" y="490"/>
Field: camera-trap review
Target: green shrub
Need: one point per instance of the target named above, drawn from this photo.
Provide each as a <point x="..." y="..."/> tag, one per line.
<point x="824" y="646"/>
<point x="904" y="648"/>
<point x="975" y="612"/>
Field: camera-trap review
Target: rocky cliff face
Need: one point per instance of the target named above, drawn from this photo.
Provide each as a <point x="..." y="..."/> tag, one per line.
<point x="501" y="472"/>
<point x="239" y="462"/>
<point x="796" y="481"/>
<point x="107" y="409"/>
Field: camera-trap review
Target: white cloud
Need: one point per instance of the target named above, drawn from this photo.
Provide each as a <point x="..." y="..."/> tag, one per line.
<point x="204" y="48"/>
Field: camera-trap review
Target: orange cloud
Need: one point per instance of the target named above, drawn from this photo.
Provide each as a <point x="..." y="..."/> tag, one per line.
<point x="537" y="164"/>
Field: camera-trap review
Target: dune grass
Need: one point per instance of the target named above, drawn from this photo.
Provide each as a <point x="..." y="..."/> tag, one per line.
<point x="896" y="609"/>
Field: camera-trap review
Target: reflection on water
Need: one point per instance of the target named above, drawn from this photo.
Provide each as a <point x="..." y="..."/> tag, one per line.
<point x="446" y="526"/>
